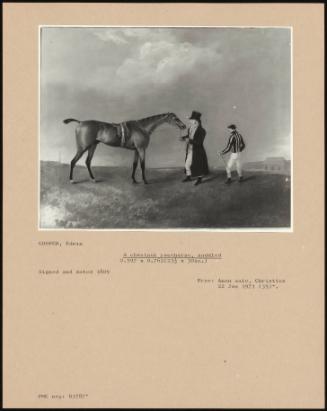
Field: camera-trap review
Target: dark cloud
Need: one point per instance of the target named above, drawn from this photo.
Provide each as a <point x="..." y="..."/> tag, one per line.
<point x="229" y="74"/>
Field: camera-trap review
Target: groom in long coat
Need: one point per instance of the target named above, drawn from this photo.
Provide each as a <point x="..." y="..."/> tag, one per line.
<point x="196" y="162"/>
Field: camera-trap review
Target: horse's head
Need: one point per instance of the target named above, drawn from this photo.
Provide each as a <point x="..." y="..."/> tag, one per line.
<point x="175" y="121"/>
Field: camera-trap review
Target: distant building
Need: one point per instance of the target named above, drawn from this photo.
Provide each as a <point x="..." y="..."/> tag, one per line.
<point x="254" y="165"/>
<point x="273" y="165"/>
<point x="277" y="165"/>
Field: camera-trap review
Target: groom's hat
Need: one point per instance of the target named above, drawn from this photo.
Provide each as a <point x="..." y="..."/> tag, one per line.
<point x="195" y="115"/>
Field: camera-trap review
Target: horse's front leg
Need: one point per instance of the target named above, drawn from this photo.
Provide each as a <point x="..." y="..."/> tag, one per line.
<point x="135" y="161"/>
<point x="142" y="159"/>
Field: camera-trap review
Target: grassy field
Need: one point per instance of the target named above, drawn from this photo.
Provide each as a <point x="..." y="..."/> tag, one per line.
<point x="261" y="201"/>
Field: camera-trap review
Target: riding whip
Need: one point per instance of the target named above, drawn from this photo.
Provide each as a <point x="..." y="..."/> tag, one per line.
<point x="221" y="156"/>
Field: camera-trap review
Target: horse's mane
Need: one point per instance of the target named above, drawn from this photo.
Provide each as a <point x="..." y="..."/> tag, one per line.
<point x="156" y="116"/>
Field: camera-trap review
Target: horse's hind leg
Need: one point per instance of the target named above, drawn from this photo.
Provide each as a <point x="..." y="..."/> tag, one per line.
<point x="135" y="162"/>
<point x="78" y="155"/>
<point x="142" y="160"/>
<point x="89" y="157"/>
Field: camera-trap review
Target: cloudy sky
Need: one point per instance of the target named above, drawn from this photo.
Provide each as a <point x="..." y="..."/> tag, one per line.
<point x="230" y="75"/>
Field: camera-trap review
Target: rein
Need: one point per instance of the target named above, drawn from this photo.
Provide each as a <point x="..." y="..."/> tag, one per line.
<point x="161" y="121"/>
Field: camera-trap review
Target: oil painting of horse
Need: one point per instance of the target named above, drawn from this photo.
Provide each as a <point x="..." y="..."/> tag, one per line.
<point x="181" y="128"/>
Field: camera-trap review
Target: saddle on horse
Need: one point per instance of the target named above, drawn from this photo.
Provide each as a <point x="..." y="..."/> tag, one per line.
<point x="123" y="133"/>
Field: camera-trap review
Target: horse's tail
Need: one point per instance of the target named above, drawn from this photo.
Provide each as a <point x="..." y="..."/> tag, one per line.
<point x="69" y="120"/>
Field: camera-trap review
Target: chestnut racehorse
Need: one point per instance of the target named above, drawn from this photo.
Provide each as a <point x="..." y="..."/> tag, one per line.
<point x="132" y="135"/>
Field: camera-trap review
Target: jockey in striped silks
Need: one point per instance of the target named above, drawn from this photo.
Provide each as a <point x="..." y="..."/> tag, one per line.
<point x="235" y="145"/>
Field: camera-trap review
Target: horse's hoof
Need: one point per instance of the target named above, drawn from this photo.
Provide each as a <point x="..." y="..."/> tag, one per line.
<point x="135" y="182"/>
<point x="93" y="180"/>
<point x="72" y="181"/>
